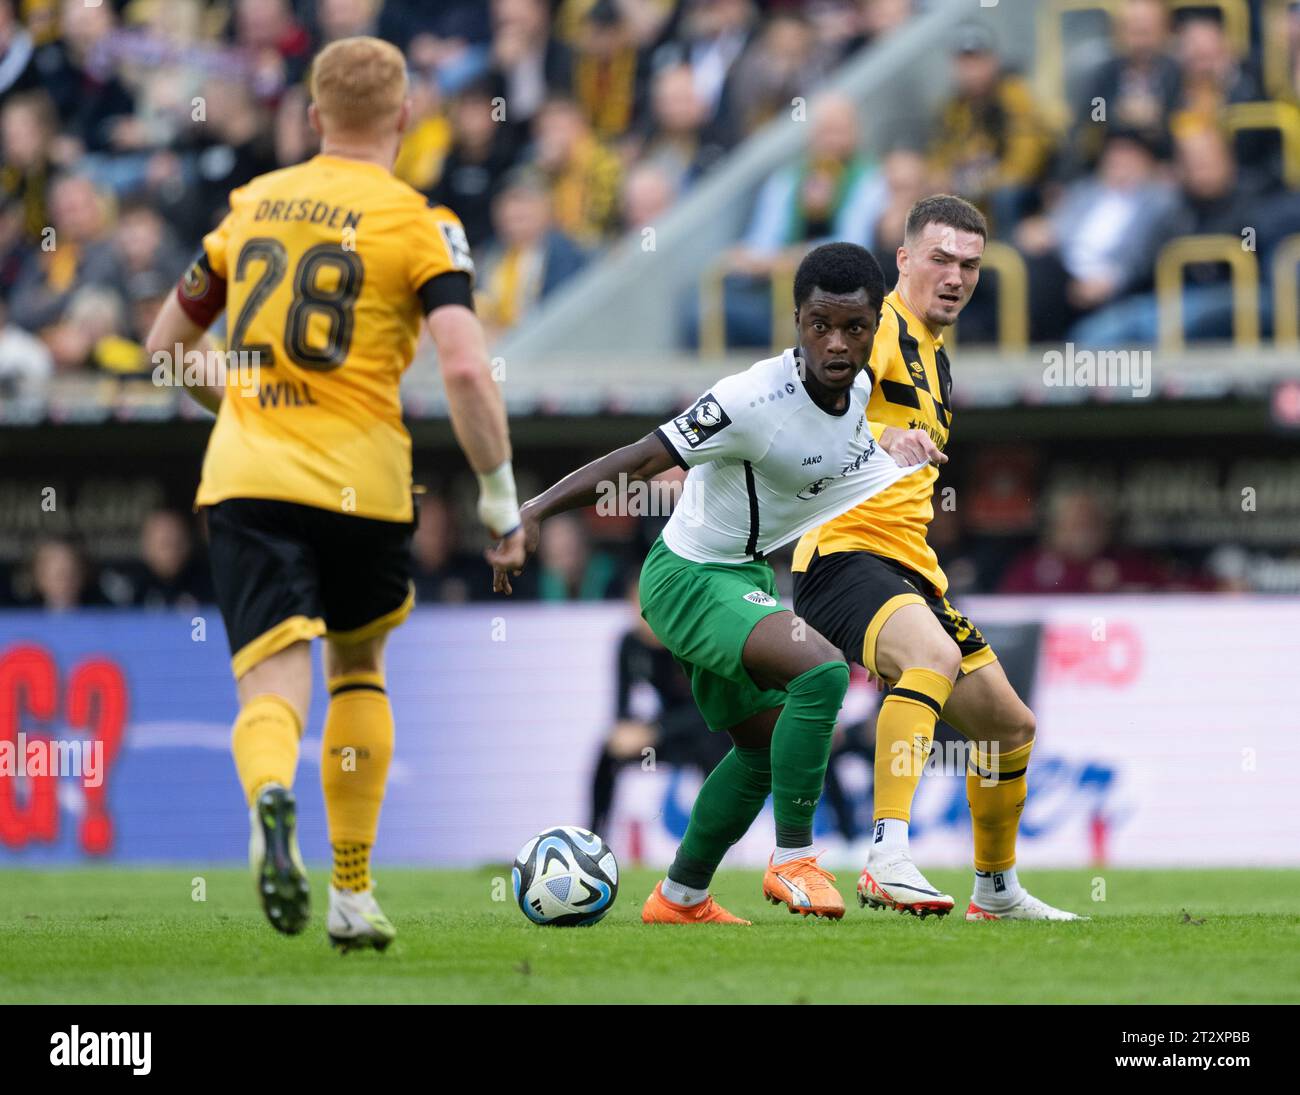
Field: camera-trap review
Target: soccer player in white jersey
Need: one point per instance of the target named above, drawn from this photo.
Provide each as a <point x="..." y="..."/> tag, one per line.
<point x="771" y="452"/>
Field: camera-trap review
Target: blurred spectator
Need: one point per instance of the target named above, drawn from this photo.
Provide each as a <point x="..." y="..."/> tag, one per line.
<point x="427" y="140"/>
<point x="568" y="569"/>
<point x="675" y="140"/>
<point x="482" y="150"/>
<point x="25" y="363"/>
<point x="446" y="28"/>
<point x="80" y="255"/>
<point x="647" y="196"/>
<point x="654" y="716"/>
<point x="169" y="574"/>
<point x="532" y="257"/>
<point x="17" y="50"/>
<point x="1211" y="200"/>
<point x="1096" y="242"/>
<point x="88" y="335"/>
<point x="990" y="143"/>
<point x="833" y="192"/>
<point x="442" y="572"/>
<point x="529" y="63"/>
<point x="27" y="131"/>
<point x="608" y="74"/>
<point x="230" y="146"/>
<point x="144" y="243"/>
<point x="1136" y="89"/>
<point x="337" y="19"/>
<point x="907" y="181"/>
<point x="15" y="246"/>
<point x="781" y="65"/>
<point x="1211" y="76"/>
<point x="276" y="47"/>
<point x="712" y="36"/>
<point x="60" y="577"/>
<point x="1075" y="554"/>
<point x="877" y="18"/>
<point x="94" y="106"/>
<point x="584" y="176"/>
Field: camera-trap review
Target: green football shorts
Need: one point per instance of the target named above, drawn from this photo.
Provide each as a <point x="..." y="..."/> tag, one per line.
<point x="703" y="613"/>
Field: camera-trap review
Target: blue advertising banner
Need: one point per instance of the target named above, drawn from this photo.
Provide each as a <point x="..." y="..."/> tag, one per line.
<point x="115" y="730"/>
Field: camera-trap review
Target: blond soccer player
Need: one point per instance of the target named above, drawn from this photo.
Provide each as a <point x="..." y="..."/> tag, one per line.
<point x="326" y="271"/>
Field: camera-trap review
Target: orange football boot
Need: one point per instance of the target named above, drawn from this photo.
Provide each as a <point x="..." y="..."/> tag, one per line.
<point x="659" y="910"/>
<point x="804" y="887"/>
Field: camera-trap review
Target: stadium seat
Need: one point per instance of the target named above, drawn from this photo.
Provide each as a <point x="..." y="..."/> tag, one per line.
<point x="1184" y="251"/>
<point x="1286" y="292"/>
<point x="1275" y="47"/>
<point x="1282" y="117"/>
<point x="1013" y="294"/>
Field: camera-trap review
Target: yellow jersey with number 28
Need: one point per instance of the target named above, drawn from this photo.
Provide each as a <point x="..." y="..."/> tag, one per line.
<point x="326" y="271"/>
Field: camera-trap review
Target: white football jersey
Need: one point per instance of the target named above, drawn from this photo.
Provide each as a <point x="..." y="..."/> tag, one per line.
<point x="766" y="463"/>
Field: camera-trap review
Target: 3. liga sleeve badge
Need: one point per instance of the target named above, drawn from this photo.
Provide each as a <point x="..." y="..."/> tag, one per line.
<point x="702" y="421"/>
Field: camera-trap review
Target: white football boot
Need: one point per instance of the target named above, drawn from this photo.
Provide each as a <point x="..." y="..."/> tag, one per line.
<point x="1025" y="907"/>
<point x="357" y="921"/>
<point x="893" y="882"/>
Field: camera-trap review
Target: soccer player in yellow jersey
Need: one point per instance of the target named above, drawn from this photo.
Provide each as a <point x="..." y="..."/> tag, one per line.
<point x="870" y="583"/>
<point x="326" y="271"/>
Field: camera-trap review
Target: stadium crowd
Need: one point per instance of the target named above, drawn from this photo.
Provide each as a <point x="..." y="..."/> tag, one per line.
<point x="551" y="127"/>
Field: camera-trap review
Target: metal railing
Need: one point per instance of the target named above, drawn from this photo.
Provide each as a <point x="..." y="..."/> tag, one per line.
<point x="1176" y="256"/>
<point x="1286" y="292"/>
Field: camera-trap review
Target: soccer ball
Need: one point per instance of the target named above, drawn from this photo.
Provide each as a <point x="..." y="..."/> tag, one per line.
<point x="565" y="876"/>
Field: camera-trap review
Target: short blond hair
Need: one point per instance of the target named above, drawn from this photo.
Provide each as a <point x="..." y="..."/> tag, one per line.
<point x="358" y="84"/>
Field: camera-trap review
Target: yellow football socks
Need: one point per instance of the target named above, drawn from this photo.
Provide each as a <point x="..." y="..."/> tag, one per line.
<point x="265" y="743"/>
<point x="995" y="790"/>
<point x="355" y="754"/>
<point x="904" y="731"/>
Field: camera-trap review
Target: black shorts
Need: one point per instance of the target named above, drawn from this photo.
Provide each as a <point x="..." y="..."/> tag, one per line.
<point x="284" y="572"/>
<point x="848" y="596"/>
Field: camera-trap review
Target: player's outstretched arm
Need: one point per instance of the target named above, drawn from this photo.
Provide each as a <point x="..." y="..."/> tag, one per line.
<point x="174" y="334"/>
<point x="637" y="462"/>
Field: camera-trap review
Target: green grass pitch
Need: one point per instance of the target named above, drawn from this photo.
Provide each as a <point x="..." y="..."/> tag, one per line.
<point x="107" y="935"/>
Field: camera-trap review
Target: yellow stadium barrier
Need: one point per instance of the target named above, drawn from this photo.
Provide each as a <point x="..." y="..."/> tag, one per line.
<point x="782" y="306"/>
<point x="1180" y="253"/>
<point x="1286" y="292"/>
<point x="1050" y="60"/>
<point x="1277" y="50"/>
<point x="1013" y="294"/>
<point x="713" y="311"/>
<point x="1283" y="117"/>
<point x="713" y="308"/>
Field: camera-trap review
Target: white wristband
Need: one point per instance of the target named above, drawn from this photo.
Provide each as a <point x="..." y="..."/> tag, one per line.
<point x="498" y="504"/>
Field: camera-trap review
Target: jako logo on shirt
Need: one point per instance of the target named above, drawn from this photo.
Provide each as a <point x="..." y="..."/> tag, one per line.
<point x="758" y="597"/>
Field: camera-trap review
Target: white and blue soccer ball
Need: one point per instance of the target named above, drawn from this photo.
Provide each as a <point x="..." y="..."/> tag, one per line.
<point x="565" y="876"/>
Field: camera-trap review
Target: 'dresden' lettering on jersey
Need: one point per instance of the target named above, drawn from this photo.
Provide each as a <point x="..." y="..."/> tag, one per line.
<point x="311" y="210"/>
<point x="327" y="297"/>
<point x="912" y="391"/>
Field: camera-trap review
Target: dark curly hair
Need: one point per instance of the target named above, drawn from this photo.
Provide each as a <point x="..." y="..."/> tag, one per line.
<point x="839" y="268"/>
